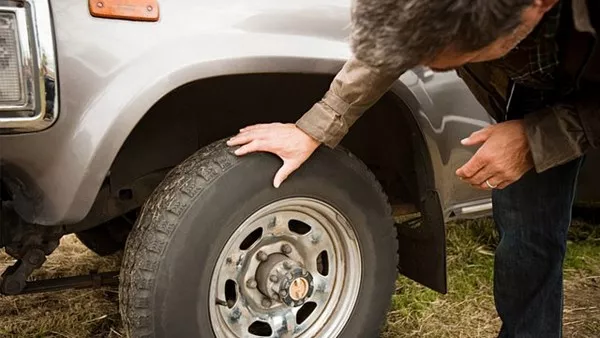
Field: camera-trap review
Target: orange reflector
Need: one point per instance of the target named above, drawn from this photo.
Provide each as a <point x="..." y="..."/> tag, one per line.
<point x="137" y="10"/>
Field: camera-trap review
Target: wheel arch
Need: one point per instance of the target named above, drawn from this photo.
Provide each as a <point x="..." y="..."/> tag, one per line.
<point x="112" y="135"/>
<point x="424" y="262"/>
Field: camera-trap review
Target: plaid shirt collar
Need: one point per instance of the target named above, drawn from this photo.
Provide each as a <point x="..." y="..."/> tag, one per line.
<point x="533" y="64"/>
<point x="534" y="61"/>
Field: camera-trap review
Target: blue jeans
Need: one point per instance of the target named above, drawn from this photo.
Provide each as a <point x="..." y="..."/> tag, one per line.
<point x="532" y="216"/>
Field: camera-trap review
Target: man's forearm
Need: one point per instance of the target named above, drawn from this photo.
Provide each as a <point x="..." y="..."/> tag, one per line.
<point x="354" y="90"/>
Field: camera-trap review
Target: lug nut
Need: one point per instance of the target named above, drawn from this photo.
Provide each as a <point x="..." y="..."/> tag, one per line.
<point x="283" y="293"/>
<point x="235" y="314"/>
<point x="266" y="302"/>
<point x="262" y="256"/>
<point x="315" y="238"/>
<point x="251" y="283"/>
<point x="274" y="279"/>
<point x="286" y="249"/>
<point x="287" y="265"/>
<point x="272" y="223"/>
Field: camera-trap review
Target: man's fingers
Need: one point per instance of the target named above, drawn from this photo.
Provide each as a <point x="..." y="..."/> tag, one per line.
<point x="247" y="137"/>
<point x="282" y="174"/>
<point x="470" y="168"/>
<point x="493" y="182"/>
<point x="479" y="177"/>
<point x="258" y="126"/>
<point x="477" y="137"/>
<point x="251" y="147"/>
<point x="253" y="127"/>
<point x="240" y="139"/>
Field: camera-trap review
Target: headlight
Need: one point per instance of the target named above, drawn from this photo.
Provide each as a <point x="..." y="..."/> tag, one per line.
<point x="11" y="79"/>
<point x="28" y="86"/>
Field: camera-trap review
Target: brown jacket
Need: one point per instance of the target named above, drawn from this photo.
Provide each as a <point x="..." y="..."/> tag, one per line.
<point x="557" y="132"/>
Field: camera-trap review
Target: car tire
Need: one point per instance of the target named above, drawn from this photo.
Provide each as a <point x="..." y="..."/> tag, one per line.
<point x="177" y="257"/>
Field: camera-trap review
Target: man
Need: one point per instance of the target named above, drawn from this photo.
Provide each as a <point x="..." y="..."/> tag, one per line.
<point x="534" y="65"/>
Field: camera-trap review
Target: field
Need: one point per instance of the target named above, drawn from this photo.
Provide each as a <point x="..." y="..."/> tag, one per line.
<point x="467" y="311"/>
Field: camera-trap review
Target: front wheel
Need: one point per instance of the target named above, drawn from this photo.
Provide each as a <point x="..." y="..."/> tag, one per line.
<point x="218" y="252"/>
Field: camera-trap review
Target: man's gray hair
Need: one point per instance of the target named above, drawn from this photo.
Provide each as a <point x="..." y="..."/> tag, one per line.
<point x="399" y="34"/>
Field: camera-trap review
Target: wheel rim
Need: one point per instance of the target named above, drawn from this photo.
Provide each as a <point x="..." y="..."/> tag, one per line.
<point x="292" y="269"/>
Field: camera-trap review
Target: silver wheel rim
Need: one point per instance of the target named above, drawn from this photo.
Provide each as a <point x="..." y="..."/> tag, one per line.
<point x="292" y="269"/>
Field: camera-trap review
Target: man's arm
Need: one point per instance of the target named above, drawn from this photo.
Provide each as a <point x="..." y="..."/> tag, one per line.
<point x="564" y="131"/>
<point x="354" y="90"/>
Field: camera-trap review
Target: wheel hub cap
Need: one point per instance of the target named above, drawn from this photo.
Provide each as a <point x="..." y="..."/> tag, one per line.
<point x="299" y="289"/>
<point x="285" y="280"/>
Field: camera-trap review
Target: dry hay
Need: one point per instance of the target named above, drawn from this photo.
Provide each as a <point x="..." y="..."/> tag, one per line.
<point x="74" y="313"/>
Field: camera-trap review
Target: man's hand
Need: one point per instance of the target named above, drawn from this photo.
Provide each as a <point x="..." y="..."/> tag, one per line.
<point x="502" y="159"/>
<point x="287" y="141"/>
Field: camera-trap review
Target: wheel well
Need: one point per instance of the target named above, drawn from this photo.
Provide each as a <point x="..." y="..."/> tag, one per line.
<point x="201" y="112"/>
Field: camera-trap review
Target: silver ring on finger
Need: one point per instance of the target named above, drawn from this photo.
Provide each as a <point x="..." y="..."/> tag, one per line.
<point x="490" y="185"/>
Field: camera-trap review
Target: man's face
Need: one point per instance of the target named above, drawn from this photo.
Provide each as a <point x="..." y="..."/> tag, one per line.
<point x="531" y="16"/>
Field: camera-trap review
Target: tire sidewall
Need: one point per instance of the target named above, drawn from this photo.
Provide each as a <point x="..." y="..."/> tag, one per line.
<point x="181" y="292"/>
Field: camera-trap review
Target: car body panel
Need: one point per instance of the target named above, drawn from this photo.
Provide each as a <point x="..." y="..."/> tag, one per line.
<point x="113" y="71"/>
<point x="447" y="112"/>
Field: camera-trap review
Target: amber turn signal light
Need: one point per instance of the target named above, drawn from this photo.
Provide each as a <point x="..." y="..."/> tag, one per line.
<point x="136" y="10"/>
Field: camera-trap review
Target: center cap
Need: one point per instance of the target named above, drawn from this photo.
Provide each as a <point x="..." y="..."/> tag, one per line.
<point x="284" y="280"/>
<point x="299" y="288"/>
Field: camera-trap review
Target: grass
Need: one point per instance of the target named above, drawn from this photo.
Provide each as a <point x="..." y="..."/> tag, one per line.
<point x="468" y="308"/>
<point x="466" y="311"/>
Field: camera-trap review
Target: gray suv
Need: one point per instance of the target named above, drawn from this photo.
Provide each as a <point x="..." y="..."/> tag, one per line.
<point x="112" y="120"/>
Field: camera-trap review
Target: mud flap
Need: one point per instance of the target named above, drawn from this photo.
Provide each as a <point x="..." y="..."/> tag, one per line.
<point x="422" y="246"/>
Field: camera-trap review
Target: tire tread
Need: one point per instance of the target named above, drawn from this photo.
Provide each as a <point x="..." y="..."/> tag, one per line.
<point x="160" y="215"/>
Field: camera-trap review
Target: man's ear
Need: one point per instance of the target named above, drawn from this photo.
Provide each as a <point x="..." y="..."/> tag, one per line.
<point x="544" y="5"/>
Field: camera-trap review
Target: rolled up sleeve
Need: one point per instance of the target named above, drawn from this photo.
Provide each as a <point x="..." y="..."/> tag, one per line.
<point x="555" y="137"/>
<point x="353" y="91"/>
<point x="565" y="131"/>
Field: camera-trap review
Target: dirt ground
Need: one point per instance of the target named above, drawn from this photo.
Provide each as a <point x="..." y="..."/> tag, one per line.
<point x="466" y="311"/>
